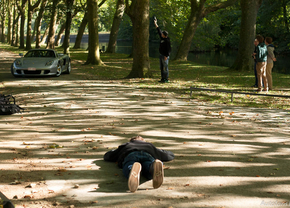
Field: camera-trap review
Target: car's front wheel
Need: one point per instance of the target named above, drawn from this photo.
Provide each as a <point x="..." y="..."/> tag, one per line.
<point x="12" y="72"/>
<point x="58" y="70"/>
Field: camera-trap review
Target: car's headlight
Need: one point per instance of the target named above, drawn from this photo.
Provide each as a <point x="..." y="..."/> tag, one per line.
<point x="18" y="63"/>
<point x="49" y="63"/>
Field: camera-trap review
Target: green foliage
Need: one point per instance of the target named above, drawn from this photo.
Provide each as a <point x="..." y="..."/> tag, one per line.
<point x="173" y="15"/>
<point x="207" y="34"/>
<point x="218" y="29"/>
<point x="230" y="22"/>
<point x="126" y="28"/>
<point x="106" y="15"/>
<point x="272" y="22"/>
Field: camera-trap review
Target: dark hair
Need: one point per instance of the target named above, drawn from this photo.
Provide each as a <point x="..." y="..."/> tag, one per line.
<point x="269" y="40"/>
<point x="136" y="138"/>
<point x="165" y="33"/>
<point x="260" y="38"/>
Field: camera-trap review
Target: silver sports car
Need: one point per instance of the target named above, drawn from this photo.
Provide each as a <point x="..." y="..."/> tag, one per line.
<point x="41" y="62"/>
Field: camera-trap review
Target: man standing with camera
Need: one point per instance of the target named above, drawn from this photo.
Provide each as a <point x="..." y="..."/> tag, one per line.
<point x="164" y="50"/>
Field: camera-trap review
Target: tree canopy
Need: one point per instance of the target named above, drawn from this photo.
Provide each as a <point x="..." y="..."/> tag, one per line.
<point x="193" y="25"/>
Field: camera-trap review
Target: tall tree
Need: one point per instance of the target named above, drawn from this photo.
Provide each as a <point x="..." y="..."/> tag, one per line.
<point x="10" y="6"/>
<point x="30" y="11"/>
<point x="3" y="19"/>
<point x="52" y="25"/>
<point x="14" y="25"/>
<point x="38" y="23"/>
<point x="120" y="9"/>
<point x="69" y="16"/>
<point x="250" y="8"/>
<point x="17" y="32"/>
<point x="93" y="44"/>
<point x="83" y="26"/>
<point x="138" y="11"/>
<point x="21" y="9"/>
<point x="81" y="31"/>
<point x="44" y="36"/>
<point x="60" y="33"/>
<point x="199" y="10"/>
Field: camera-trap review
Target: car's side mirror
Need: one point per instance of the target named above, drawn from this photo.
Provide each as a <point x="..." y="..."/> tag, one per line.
<point x="21" y="54"/>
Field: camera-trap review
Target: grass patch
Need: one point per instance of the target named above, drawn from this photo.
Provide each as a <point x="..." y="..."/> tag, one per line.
<point x="183" y="75"/>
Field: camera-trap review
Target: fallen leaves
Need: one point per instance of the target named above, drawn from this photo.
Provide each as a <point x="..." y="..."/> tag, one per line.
<point x="55" y="146"/>
<point x="28" y="196"/>
<point x="16" y="182"/>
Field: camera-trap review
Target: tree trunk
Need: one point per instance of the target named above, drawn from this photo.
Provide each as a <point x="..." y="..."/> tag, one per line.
<point x="59" y="35"/>
<point x="67" y="26"/>
<point x="51" y="33"/>
<point x="28" y="31"/>
<point x="22" y="22"/>
<point x="21" y="9"/>
<point x="34" y="31"/>
<point x="14" y="25"/>
<point x="38" y="23"/>
<point x="188" y="35"/>
<point x="3" y="20"/>
<point x="17" y="33"/>
<point x="10" y="21"/>
<point x="44" y="37"/>
<point x="244" y="60"/>
<point x="93" y="44"/>
<point x="81" y="32"/>
<point x="198" y="11"/>
<point x="115" y="26"/>
<point x="30" y="12"/>
<point x="83" y="27"/>
<point x="140" y="19"/>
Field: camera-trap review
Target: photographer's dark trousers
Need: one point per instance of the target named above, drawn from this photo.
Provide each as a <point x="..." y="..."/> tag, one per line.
<point x="164" y="67"/>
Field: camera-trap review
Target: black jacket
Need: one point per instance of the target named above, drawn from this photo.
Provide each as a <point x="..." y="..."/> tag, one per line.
<point x="165" y="46"/>
<point x="118" y="155"/>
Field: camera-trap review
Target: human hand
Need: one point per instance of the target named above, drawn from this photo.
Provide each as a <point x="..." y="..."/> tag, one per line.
<point x="165" y="58"/>
<point x="274" y="59"/>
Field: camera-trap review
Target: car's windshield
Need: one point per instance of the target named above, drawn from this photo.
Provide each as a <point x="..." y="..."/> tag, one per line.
<point x="40" y="53"/>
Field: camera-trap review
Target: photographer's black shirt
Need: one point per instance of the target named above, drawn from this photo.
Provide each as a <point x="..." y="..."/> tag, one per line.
<point x="165" y="47"/>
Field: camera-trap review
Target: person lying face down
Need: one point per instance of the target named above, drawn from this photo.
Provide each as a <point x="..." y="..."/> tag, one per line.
<point x="138" y="156"/>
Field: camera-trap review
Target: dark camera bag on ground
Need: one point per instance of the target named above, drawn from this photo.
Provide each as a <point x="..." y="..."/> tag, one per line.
<point x="8" y="106"/>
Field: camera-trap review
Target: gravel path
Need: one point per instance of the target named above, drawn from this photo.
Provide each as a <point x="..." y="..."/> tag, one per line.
<point x="225" y="157"/>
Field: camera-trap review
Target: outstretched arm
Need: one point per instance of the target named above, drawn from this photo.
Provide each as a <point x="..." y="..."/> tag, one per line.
<point x="155" y="22"/>
<point x="158" y="29"/>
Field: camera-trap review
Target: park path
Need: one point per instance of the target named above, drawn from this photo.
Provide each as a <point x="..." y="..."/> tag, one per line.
<point x="225" y="156"/>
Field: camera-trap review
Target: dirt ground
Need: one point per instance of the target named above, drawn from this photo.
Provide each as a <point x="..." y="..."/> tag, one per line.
<point x="52" y="154"/>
